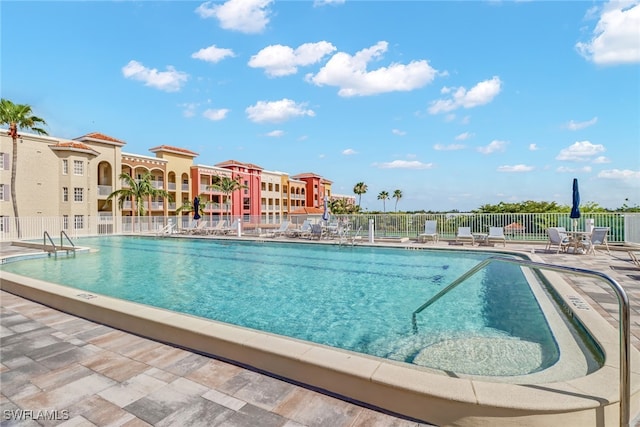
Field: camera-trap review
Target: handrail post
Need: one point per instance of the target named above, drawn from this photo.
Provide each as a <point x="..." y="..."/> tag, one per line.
<point x="623" y="307"/>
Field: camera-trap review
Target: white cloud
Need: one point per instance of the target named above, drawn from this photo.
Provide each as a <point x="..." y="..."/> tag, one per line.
<point x="349" y="152"/>
<point x="398" y="132"/>
<point x="215" y="114"/>
<point x="625" y="174"/>
<point x="276" y="133"/>
<point x="189" y="109"/>
<point x="493" y="147"/>
<point x="212" y="54"/>
<point x="277" y="111"/>
<point x="580" y="151"/>
<point x="350" y="74"/>
<point x="463" y="136"/>
<point x="327" y="2"/>
<point x="404" y="164"/>
<point x="533" y="147"/>
<point x="481" y="94"/>
<point x="565" y="169"/>
<point x="515" y="168"/>
<point x="246" y="16"/>
<point x="572" y="125"/>
<point x="601" y="160"/>
<point x="450" y="147"/>
<point x="279" y="60"/>
<point x="616" y="37"/>
<point x="168" y="81"/>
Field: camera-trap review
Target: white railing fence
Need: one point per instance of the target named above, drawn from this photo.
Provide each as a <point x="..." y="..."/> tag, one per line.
<point x="624" y="227"/>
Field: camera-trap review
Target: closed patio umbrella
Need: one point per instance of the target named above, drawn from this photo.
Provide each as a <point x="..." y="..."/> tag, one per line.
<point x="196" y="208"/>
<point x="325" y="214"/>
<point x="575" y="206"/>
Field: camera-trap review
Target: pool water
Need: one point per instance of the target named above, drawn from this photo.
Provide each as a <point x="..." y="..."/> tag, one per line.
<point x="358" y="299"/>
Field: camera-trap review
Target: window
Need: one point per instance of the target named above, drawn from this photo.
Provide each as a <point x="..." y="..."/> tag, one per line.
<point x="246" y="203"/>
<point x="78" y="194"/>
<point x="4" y="161"/>
<point x="78" y="167"/>
<point x="78" y="222"/>
<point x="65" y="194"/>
<point x="4" y="192"/>
<point x="277" y="187"/>
<point x="65" y="222"/>
<point x="65" y="167"/>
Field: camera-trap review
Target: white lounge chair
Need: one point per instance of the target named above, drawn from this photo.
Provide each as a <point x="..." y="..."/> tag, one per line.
<point x="430" y="231"/>
<point x="558" y="237"/>
<point x="464" y="233"/>
<point x="303" y="231"/>
<point x="317" y="231"/>
<point x="218" y="228"/>
<point x="284" y="226"/>
<point x="635" y="257"/>
<point x="598" y="237"/>
<point x="496" y="233"/>
<point x="198" y="229"/>
<point x="232" y="228"/>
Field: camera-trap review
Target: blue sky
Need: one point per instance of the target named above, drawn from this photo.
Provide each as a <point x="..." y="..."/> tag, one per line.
<point x="456" y="104"/>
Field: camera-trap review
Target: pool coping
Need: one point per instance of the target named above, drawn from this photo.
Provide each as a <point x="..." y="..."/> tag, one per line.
<point x="396" y="387"/>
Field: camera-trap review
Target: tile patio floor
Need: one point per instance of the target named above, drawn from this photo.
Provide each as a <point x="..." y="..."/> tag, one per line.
<point x="94" y="375"/>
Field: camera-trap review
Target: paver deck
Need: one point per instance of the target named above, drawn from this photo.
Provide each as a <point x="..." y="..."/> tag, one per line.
<point x="57" y="369"/>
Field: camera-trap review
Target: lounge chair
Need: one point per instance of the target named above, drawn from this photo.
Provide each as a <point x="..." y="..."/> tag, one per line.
<point x="464" y="233"/>
<point x="218" y="228"/>
<point x="231" y="229"/>
<point x="496" y="233"/>
<point x="635" y="255"/>
<point x="284" y="226"/>
<point x="198" y="229"/>
<point x="558" y="237"/>
<point x="430" y="232"/>
<point x="598" y="237"/>
<point x="303" y="231"/>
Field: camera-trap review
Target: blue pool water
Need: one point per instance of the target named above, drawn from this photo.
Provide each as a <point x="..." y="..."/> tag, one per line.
<point x="358" y="299"/>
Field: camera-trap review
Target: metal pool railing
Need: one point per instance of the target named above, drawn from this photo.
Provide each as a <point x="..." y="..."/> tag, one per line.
<point x="623" y="307"/>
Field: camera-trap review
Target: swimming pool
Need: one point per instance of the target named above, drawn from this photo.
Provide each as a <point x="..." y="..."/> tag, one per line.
<point x="358" y="299"/>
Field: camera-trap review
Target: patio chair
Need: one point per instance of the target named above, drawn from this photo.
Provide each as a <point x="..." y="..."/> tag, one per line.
<point x="430" y="231"/>
<point x="464" y="233"/>
<point x="598" y="237"/>
<point x="558" y="237"/>
<point x="497" y="233"/>
<point x="635" y="257"/>
<point x="230" y="229"/>
<point x="317" y="231"/>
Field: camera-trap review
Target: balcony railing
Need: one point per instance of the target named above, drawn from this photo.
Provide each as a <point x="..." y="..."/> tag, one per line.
<point x="104" y="190"/>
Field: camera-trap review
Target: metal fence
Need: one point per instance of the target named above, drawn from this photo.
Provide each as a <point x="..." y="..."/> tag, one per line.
<point x="624" y="227"/>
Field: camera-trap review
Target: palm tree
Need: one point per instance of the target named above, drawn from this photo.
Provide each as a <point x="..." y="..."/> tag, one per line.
<point x="359" y="189"/>
<point x="383" y="196"/>
<point x="138" y="190"/>
<point x="18" y="116"/>
<point x="397" y="194"/>
<point x="227" y="186"/>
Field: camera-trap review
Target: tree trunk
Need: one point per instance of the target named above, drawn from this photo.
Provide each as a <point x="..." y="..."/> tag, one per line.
<point x="13" y="131"/>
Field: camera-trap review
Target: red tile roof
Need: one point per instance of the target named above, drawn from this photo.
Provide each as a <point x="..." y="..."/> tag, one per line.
<point x="307" y="211"/>
<point x="100" y="136"/>
<point x="170" y="149"/>
<point x="74" y="145"/>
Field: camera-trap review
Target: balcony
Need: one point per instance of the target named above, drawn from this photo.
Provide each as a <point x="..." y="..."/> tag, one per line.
<point x="104" y="190"/>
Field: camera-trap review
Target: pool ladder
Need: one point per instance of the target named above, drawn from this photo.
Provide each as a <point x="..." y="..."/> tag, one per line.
<point x="623" y="308"/>
<point x="54" y="249"/>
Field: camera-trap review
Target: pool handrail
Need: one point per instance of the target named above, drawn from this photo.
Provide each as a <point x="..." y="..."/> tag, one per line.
<point x="623" y="307"/>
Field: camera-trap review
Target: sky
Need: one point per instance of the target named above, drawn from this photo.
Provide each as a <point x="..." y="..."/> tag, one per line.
<point x="457" y="104"/>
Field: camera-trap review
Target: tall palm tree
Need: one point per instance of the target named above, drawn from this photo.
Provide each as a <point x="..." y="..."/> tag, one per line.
<point x="18" y="116"/>
<point x="383" y="196"/>
<point x="138" y="190"/>
<point x="227" y="186"/>
<point x="359" y="189"/>
<point x="397" y="194"/>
